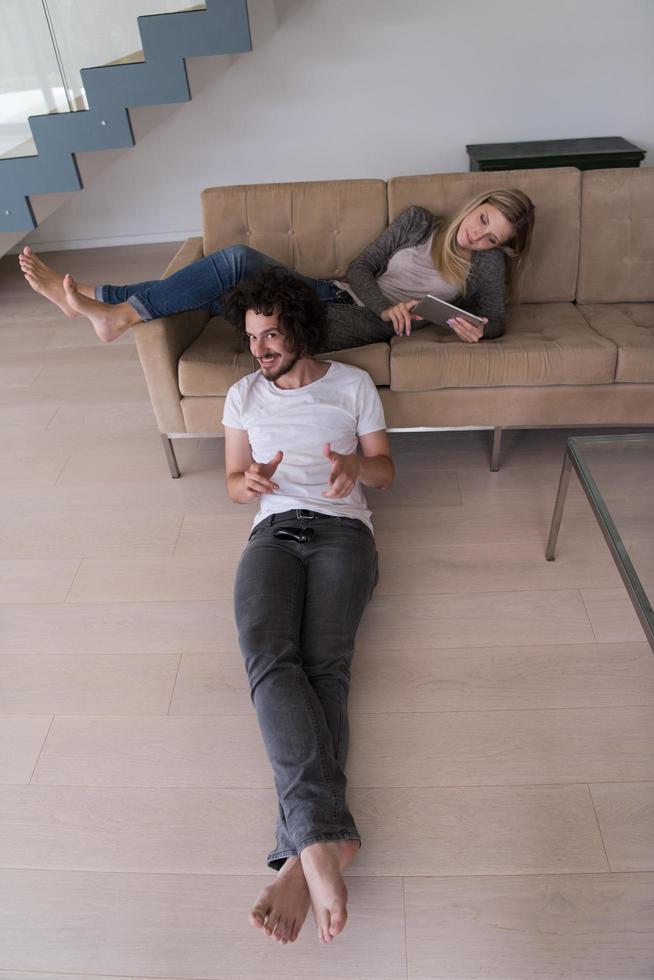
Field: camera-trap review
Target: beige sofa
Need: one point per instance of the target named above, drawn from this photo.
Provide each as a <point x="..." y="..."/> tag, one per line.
<point x="577" y="350"/>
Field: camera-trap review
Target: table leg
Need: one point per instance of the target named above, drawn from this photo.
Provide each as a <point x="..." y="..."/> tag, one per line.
<point x="561" y="495"/>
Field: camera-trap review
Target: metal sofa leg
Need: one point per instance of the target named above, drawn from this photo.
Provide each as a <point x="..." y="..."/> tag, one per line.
<point x="496" y="449"/>
<point x="170" y="456"/>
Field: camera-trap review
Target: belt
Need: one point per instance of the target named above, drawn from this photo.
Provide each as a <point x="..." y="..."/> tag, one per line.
<point x="296" y="515"/>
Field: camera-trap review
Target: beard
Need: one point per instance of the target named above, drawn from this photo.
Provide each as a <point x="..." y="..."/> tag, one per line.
<point x="281" y="368"/>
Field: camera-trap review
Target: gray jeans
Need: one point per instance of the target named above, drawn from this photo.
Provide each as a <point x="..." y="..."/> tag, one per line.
<point x="298" y="607"/>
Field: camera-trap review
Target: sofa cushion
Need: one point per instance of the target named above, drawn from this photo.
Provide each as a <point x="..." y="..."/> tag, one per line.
<point x="214" y="361"/>
<point x="630" y="326"/>
<point x="549" y="344"/>
<point x="316" y="227"/>
<point x="616" y="260"/>
<point x="551" y="271"/>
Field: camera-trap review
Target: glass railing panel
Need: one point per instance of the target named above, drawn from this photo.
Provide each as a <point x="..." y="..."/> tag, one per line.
<point x="101" y="32"/>
<point x="44" y="44"/>
<point x="31" y="82"/>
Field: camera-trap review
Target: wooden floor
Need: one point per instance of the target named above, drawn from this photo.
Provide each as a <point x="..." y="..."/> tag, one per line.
<point x="502" y="763"/>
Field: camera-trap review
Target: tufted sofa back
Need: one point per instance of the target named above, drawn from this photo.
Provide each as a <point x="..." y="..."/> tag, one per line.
<point x="317" y="227"/>
<point x="616" y="264"/>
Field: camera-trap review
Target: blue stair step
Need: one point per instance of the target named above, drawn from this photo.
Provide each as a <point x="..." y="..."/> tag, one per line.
<point x="167" y="39"/>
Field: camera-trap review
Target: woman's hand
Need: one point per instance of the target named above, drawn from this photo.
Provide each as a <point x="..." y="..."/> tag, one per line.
<point x="467" y="331"/>
<point x="401" y="316"/>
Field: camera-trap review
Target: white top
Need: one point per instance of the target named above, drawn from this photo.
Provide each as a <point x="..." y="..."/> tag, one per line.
<point x="410" y="274"/>
<point x="338" y="408"/>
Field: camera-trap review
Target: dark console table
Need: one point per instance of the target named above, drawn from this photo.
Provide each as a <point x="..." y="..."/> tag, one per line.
<point x="585" y="154"/>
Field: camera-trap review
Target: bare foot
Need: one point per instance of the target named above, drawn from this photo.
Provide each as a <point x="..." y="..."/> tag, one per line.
<point x="322" y="864"/>
<point x="281" y="908"/>
<point x="108" y="320"/>
<point x="44" y="280"/>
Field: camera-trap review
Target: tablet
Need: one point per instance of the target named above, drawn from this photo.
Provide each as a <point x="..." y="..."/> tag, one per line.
<point x="438" y="311"/>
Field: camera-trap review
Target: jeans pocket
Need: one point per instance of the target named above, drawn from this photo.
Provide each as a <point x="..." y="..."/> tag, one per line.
<point x="255" y="530"/>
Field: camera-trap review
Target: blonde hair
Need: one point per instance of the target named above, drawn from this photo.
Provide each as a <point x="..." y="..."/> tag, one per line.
<point x="453" y="262"/>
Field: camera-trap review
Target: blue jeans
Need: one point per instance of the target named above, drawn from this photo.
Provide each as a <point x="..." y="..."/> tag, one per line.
<point x="200" y="285"/>
<point x="298" y="607"/>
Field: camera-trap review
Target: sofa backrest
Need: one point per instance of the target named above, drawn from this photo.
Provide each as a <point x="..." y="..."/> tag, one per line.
<point x="551" y="272"/>
<point x="616" y="261"/>
<point x="317" y="227"/>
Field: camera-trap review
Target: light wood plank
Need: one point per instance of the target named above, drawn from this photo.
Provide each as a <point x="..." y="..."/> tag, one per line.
<point x="55" y="385"/>
<point x="97" y="684"/>
<point x="21" y="740"/>
<point x="452" y="748"/>
<point x="31" y="470"/>
<point x="445" y="831"/>
<point x="18" y="376"/>
<point x="481" y="619"/>
<point x="211" y="684"/>
<point x="91" y="533"/>
<point x="200" y="492"/>
<point x="156" y="579"/>
<point x="153" y="751"/>
<point x="191" y="927"/>
<point x="36" y="580"/>
<point x="477" y="830"/>
<point x="437" y="487"/>
<point x="520" y="516"/>
<point x="88" y="469"/>
<point x="434" y="568"/>
<point x="131" y="627"/>
<point x="626" y="815"/>
<point x="538" y="928"/>
<point x="495" y="678"/>
<point x="127" y="413"/>
<point x="210" y="534"/>
<point x="496" y="747"/>
<point x="612" y="614"/>
<point x="16" y="416"/>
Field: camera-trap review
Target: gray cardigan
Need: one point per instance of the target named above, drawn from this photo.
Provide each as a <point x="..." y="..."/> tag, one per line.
<point x="485" y="287"/>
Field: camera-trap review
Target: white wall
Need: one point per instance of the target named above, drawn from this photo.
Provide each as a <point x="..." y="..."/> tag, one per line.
<point x="371" y="88"/>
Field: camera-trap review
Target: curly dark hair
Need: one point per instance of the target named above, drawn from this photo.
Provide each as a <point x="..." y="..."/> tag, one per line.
<point x="302" y="315"/>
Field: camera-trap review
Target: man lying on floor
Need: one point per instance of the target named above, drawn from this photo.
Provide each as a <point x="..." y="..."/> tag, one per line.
<point x="301" y="437"/>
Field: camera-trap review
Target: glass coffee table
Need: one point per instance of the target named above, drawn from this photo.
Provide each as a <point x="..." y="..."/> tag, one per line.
<point x="617" y="476"/>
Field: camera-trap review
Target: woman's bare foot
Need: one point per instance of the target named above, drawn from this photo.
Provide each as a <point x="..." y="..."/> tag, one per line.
<point x="322" y="865"/>
<point x="44" y="280"/>
<point x="281" y="908"/>
<point x="108" y="320"/>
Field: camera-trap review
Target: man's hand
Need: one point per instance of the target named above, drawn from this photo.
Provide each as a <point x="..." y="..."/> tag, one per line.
<point x="257" y="476"/>
<point x="344" y="473"/>
<point x="467" y="331"/>
<point x="401" y="316"/>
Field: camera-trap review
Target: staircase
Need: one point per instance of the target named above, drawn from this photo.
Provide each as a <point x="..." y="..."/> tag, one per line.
<point x="167" y="40"/>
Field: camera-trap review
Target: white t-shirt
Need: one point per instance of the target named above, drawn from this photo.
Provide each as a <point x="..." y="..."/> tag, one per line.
<point x="338" y="408"/>
<point x="411" y="275"/>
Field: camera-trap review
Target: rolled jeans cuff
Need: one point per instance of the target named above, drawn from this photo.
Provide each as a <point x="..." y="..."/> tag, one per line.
<point x="101" y="293"/>
<point x="276" y="859"/>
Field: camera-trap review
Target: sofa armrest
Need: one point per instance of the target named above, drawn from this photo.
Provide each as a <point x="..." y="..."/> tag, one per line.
<point x="161" y="343"/>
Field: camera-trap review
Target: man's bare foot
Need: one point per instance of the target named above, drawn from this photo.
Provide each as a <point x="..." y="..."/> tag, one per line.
<point x="108" y="320"/>
<point x="281" y="908"/>
<point x="44" y="280"/>
<point x="322" y="864"/>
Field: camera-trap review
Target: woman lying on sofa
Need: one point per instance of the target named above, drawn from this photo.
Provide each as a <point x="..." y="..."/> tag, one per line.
<point x="473" y="259"/>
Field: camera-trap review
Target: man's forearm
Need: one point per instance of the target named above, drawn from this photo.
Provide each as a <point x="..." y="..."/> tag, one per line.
<point x="376" y="471"/>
